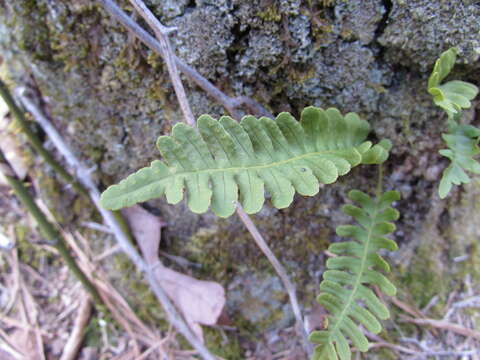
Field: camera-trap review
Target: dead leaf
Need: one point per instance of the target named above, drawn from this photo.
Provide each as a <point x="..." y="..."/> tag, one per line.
<point x="201" y="302"/>
<point x="146" y="228"/>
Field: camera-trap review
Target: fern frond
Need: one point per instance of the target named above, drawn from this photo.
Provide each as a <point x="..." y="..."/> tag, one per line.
<point x="462" y="142"/>
<point x="345" y="283"/>
<point x="223" y="161"/>
<point x="454" y="95"/>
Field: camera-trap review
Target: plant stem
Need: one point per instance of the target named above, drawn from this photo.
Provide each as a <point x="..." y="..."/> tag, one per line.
<point x="52" y="235"/>
<point x="161" y="34"/>
<point x="167" y="53"/>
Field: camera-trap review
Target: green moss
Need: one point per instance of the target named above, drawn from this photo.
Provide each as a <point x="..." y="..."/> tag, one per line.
<point x="138" y="293"/>
<point x="226" y="347"/>
<point x="271" y="14"/>
<point x="33" y="34"/>
<point x="30" y="253"/>
<point x="425" y="276"/>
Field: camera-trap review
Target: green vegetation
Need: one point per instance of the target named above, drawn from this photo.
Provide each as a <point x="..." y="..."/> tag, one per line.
<point x="225" y="158"/>
<point x="358" y="264"/>
<point x="462" y="140"/>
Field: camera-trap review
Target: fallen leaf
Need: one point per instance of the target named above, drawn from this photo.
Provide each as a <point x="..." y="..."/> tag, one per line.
<point x="201" y="302"/>
<point x="147" y="229"/>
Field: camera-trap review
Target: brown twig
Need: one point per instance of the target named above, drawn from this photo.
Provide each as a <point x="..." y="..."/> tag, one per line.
<point x="72" y="346"/>
<point x="83" y="176"/>
<point x="445" y="325"/>
<point x="161" y="34"/>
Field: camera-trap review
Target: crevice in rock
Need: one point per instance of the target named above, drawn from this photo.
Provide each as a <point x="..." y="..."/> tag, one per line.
<point x="239" y="37"/>
<point x="387" y="4"/>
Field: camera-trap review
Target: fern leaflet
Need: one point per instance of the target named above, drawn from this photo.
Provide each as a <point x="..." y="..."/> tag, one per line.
<point x="357" y="265"/>
<point x="224" y="161"/>
<point x="462" y="140"/>
<point x="454" y="95"/>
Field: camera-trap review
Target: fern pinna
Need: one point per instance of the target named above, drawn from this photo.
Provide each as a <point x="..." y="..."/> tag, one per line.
<point x="225" y="161"/>
<point x="462" y="140"/>
<point x="358" y="264"/>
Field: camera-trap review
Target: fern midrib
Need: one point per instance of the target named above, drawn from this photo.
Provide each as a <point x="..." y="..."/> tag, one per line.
<point x="263" y="166"/>
<point x="352" y="296"/>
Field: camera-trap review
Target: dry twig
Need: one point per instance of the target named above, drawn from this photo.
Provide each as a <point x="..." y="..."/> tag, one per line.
<point x="72" y="346"/>
<point x="445" y="325"/>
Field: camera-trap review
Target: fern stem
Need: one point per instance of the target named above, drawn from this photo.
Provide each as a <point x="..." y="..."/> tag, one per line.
<point x="353" y="293"/>
<point x="378" y="193"/>
<point x="262" y="244"/>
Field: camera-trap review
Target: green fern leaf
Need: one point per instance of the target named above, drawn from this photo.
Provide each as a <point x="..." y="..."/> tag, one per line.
<point x="462" y="141"/>
<point x="454" y="95"/>
<point x="225" y="161"/>
<point x="357" y="265"/>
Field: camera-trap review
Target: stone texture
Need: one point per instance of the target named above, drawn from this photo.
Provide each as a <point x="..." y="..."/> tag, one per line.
<point x="419" y="30"/>
<point x="111" y="97"/>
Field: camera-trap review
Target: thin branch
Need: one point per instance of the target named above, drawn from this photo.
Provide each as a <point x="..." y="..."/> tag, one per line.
<point x="160" y="30"/>
<point x="445" y="325"/>
<point x="161" y="34"/>
<point x="230" y="103"/>
<point x="83" y="175"/>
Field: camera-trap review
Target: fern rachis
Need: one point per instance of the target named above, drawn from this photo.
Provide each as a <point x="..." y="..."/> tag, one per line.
<point x="357" y="264"/>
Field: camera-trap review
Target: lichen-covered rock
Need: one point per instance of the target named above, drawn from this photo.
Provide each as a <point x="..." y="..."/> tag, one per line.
<point x="419" y="30"/>
<point x="111" y="97"/>
<point x="359" y="20"/>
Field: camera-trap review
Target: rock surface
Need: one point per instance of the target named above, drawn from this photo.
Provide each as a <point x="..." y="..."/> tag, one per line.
<point x="111" y="97"/>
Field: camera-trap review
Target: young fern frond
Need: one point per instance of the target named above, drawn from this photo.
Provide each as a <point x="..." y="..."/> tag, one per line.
<point x="223" y="161"/>
<point x="345" y="283"/>
<point x="452" y="96"/>
<point x="462" y="140"/>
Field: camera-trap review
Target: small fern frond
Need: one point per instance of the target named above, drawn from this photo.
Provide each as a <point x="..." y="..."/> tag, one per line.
<point x="455" y="95"/>
<point x="345" y="292"/>
<point x="224" y="161"/>
<point x="462" y="142"/>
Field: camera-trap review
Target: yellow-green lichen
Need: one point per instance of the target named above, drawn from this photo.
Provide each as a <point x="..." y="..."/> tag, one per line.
<point x="271" y="14"/>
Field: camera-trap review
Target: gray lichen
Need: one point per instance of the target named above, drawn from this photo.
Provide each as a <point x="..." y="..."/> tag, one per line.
<point x="111" y="97"/>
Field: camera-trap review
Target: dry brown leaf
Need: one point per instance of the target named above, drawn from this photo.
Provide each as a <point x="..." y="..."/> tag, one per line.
<point x="201" y="302"/>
